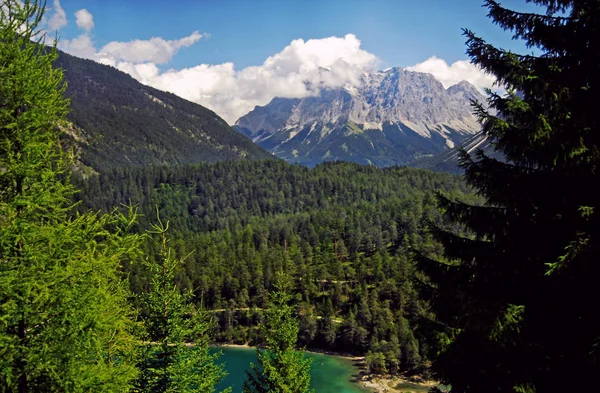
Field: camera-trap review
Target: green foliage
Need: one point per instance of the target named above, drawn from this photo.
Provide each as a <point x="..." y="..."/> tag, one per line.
<point x="176" y="355"/>
<point x="281" y="368"/>
<point x="64" y="321"/>
<point x="515" y="296"/>
<point x="375" y="362"/>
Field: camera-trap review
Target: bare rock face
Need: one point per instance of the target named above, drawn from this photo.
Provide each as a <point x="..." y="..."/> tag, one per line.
<point x="393" y="118"/>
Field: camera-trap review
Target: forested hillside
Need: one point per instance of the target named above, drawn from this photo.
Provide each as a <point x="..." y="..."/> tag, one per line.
<point x="345" y="232"/>
<point x="116" y="121"/>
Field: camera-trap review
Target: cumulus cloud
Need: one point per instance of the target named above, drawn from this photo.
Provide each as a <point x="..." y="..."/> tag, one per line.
<point x="156" y="49"/>
<point x="58" y="18"/>
<point x="449" y="75"/>
<point x="82" y="46"/>
<point x="84" y="20"/>
<point x="301" y="69"/>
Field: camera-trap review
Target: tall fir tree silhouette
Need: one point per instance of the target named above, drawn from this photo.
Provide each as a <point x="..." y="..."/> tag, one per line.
<point x="515" y="295"/>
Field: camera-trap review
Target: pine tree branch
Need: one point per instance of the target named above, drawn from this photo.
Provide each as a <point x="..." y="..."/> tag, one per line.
<point x="542" y="31"/>
<point x="494" y="5"/>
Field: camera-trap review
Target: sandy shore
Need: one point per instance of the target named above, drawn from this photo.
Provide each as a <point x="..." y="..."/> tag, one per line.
<point x="347" y="356"/>
<point x="329" y="353"/>
<point x="394" y="384"/>
<point x="231" y="345"/>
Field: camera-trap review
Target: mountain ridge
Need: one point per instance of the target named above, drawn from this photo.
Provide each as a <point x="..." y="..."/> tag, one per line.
<point x="395" y="117"/>
<point x="116" y="121"/>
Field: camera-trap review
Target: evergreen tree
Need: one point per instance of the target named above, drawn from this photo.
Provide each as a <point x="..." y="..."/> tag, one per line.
<point x="516" y="293"/>
<point x="281" y="368"/>
<point x="64" y="319"/>
<point x="375" y="362"/>
<point x="176" y="356"/>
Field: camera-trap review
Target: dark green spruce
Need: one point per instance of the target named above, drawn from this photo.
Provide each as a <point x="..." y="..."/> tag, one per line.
<point x="281" y="368"/>
<point x="516" y="294"/>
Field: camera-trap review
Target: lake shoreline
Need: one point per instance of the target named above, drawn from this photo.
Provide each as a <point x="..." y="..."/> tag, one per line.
<point x="371" y="382"/>
<point x="344" y="355"/>
<point x="329" y="373"/>
<point x="231" y="345"/>
<point x="391" y="383"/>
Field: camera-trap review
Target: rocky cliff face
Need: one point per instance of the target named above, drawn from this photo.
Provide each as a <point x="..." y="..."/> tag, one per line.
<point x="395" y="117"/>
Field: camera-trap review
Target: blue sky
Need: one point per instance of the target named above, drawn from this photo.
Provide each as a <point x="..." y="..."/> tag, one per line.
<point x="226" y="38"/>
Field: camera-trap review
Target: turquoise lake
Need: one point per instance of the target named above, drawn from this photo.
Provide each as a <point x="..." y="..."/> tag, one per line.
<point x="329" y="374"/>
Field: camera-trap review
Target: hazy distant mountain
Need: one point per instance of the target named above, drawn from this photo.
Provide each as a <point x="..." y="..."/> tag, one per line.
<point x="395" y="117"/>
<point x="116" y="121"/>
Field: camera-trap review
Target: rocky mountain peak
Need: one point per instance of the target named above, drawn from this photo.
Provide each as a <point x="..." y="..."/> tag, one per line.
<point x="394" y="115"/>
<point x="466" y="90"/>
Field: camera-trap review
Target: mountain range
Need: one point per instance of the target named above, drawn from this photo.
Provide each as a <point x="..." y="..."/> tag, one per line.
<point x="394" y="118"/>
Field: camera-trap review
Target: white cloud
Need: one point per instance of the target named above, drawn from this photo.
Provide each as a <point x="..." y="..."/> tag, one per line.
<point x="82" y="46"/>
<point x="156" y="49"/>
<point x="84" y="20"/>
<point x="58" y="18"/>
<point x="452" y="74"/>
<point x="301" y="69"/>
